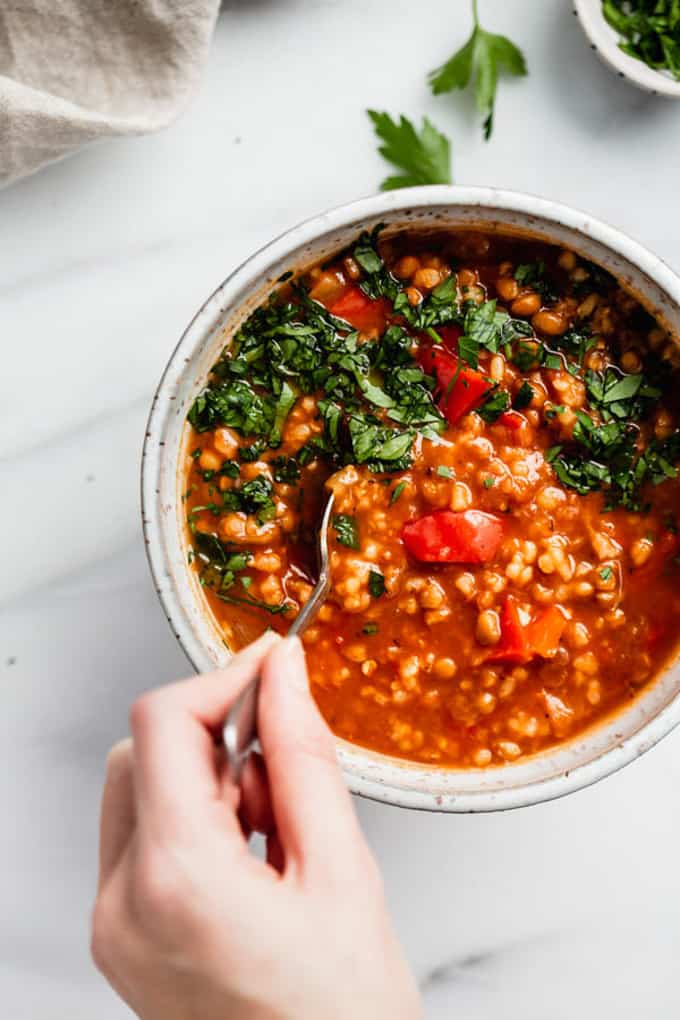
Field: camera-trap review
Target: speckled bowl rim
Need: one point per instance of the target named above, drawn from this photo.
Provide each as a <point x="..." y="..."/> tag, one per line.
<point x="555" y="773"/>
<point x="604" y="40"/>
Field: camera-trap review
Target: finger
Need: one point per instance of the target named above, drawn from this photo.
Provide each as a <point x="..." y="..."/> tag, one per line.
<point x="177" y="781"/>
<point x="315" y="819"/>
<point x="118" y="809"/>
<point x="255" y="809"/>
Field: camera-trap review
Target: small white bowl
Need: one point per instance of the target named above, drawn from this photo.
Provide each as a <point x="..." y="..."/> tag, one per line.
<point x="553" y="773"/>
<point x="605" y="41"/>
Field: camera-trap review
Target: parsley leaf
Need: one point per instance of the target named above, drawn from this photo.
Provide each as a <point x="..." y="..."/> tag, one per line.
<point x="523" y="397"/>
<point x="481" y="58"/>
<point x="423" y="157"/>
<point x="533" y="274"/>
<point x="346" y="530"/>
<point x="255" y="497"/>
<point x="286" y="470"/>
<point x="396" y="492"/>
<point x="444" y="472"/>
<point x="376" y="584"/>
<point x="494" y="407"/>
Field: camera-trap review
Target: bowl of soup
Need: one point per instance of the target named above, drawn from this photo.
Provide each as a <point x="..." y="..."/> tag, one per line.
<point x="487" y="383"/>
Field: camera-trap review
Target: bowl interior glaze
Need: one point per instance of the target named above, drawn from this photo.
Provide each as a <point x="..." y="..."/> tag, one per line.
<point x="549" y="774"/>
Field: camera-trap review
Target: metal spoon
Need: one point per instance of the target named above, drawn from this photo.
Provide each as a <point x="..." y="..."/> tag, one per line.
<point x="240" y="728"/>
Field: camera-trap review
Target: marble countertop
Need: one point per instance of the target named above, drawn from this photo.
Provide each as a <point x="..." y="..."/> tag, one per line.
<point x="571" y="909"/>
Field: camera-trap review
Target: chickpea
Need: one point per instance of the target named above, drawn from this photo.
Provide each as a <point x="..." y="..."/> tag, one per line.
<point x="461" y="497"/>
<point x="567" y="261"/>
<point x="406" y="267"/>
<point x="225" y="442"/>
<point x="663" y="424"/>
<point x="351" y="267"/>
<point x="640" y="551"/>
<point x="432" y="261"/>
<point x="550" y="323"/>
<point x="482" y="757"/>
<point x="587" y="306"/>
<point x="526" y="304"/>
<point x="426" y="279"/>
<point x="497" y="367"/>
<point x="508" y="749"/>
<point x="507" y="288"/>
<point x="595" y="361"/>
<point x="414" y="296"/>
<point x="444" y="668"/>
<point x="467" y="278"/>
<point x="631" y="361"/>
<point x="466" y="585"/>
<point x="209" y="461"/>
<point x="488" y="630"/>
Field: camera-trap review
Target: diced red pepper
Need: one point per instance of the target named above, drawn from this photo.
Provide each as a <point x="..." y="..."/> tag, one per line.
<point x="460" y="389"/>
<point x="445" y="536"/>
<point x="512" y="420"/>
<point x="513" y="645"/>
<point x="359" y="310"/>
<point x="450" y="335"/>
<point x="544" y="633"/>
<point x="520" y="642"/>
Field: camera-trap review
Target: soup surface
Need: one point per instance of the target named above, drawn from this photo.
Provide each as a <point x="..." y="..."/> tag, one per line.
<point x="497" y="419"/>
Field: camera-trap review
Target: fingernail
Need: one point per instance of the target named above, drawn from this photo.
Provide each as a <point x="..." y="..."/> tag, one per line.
<point x="269" y="638"/>
<point x="296" y="666"/>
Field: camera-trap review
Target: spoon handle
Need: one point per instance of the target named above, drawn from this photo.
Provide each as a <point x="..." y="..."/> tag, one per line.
<point x="240" y="727"/>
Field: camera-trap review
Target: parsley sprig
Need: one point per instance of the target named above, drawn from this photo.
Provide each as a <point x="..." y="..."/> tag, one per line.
<point x="422" y="157"/>
<point x="481" y="59"/>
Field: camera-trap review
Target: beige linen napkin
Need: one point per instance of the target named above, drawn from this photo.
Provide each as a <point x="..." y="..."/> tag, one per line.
<point x="72" y="71"/>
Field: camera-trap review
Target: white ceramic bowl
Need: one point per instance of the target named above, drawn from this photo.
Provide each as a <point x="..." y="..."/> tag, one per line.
<point x="542" y="777"/>
<point x="605" y="41"/>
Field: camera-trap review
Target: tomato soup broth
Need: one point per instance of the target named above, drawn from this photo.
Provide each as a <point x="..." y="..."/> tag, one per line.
<point x="497" y="419"/>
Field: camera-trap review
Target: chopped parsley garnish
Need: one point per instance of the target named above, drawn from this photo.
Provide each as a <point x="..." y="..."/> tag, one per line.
<point x="290" y="348"/>
<point x="252" y="452"/>
<point x="481" y="59"/>
<point x="369" y="628"/>
<point x="444" y="472"/>
<point x="422" y="157"/>
<point x="523" y="397"/>
<point x="286" y="470"/>
<point x="606" y="573"/>
<point x="606" y="457"/>
<point x="396" y="492"/>
<point x="254" y="497"/>
<point x="489" y="482"/>
<point x="494" y="406"/>
<point x="219" y="569"/>
<point x="346" y="530"/>
<point x="376" y="584"/>
<point x="533" y="274"/>
<point x="650" y="31"/>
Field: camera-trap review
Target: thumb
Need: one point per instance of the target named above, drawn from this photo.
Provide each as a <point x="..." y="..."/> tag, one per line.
<point x="313" y="810"/>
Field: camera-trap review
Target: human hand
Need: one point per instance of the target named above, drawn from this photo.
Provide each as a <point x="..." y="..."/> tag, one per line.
<point x="187" y="923"/>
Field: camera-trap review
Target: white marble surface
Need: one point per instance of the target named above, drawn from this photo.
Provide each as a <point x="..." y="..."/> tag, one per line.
<point x="567" y="910"/>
